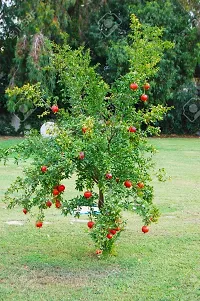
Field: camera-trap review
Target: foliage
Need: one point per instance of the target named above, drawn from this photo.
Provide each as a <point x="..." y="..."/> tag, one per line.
<point x="6" y="129"/>
<point x="93" y="139"/>
<point x="176" y="69"/>
<point x="180" y="120"/>
<point x="7" y="45"/>
<point x="26" y="28"/>
<point x="38" y="22"/>
<point x="191" y="6"/>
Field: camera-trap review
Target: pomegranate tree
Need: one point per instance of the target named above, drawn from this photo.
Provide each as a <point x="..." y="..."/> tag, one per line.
<point x="101" y="136"/>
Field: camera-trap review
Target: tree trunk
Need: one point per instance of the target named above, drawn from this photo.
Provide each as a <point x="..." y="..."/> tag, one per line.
<point x="101" y="199"/>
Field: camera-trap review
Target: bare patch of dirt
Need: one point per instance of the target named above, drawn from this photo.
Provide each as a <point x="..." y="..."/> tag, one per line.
<point x="66" y="278"/>
<point x="10" y="137"/>
<point x="2" y="280"/>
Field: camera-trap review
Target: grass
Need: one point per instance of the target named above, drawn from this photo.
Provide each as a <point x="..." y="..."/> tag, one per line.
<point x="6" y="142"/>
<point x="58" y="262"/>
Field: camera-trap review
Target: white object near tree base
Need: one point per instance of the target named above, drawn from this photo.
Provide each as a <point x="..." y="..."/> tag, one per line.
<point x="49" y="129"/>
<point x="86" y="210"/>
<point x="15" y="223"/>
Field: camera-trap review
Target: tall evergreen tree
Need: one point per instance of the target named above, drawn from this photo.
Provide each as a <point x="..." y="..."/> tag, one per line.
<point x="38" y="22"/>
<point x="28" y="26"/>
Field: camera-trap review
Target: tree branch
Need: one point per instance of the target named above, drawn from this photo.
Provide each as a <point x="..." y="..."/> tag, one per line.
<point x="101" y="199"/>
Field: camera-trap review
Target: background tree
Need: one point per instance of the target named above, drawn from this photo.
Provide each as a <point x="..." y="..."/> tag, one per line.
<point x="7" y="45"/>
<point x="37" y="22"/>
<point x="191" y="6"/>
<point x="27" y="29"/>
<point x="90" y="24"/>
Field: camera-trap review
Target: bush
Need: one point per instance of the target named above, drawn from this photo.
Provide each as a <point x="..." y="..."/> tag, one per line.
<point x="180" y="120"/>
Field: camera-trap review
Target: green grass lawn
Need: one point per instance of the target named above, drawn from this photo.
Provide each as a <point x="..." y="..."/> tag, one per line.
<point x="58" y="262"/>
